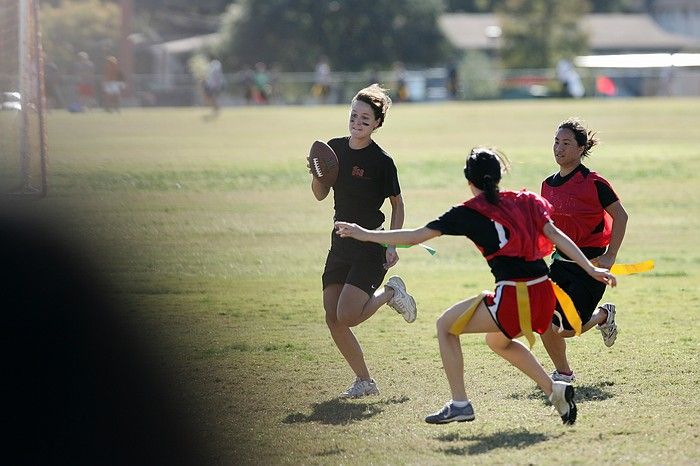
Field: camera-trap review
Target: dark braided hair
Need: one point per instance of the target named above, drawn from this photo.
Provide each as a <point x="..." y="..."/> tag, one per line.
<point x="483" y="169"/>
<point x="584" y="138"/>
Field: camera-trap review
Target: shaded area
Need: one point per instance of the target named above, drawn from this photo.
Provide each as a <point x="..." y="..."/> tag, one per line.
<point x="78" y="386"/>
<point x="339" y="411"/>
<point x="336" y="450"/>
<point x="584" y="393"/>
<point x="514" y="438"/>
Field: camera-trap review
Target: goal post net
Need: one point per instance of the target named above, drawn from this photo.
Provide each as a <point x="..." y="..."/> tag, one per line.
<point x="23" y="157"/>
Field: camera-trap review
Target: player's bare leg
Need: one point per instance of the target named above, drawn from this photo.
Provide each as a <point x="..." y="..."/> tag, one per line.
<point x="343" y="337"/>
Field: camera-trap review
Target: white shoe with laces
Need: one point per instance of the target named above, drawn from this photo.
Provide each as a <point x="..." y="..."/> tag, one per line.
<point x="609" y="328"/>
<point x="402" y="302"/>
<point x="360" y="388"/>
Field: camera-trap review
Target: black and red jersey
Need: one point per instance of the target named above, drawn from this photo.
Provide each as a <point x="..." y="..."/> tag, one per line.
<point x="509" y="235"/>
<point x="579" y="200"/>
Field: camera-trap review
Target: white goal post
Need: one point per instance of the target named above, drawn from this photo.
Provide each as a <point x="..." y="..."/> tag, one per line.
<point x="23" y="155"/>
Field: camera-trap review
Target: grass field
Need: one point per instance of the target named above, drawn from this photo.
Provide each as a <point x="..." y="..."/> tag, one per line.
<point x="214" y="243"/>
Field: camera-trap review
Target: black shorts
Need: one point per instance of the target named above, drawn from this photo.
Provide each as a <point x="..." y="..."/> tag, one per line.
<point x="355" y="263"/>
<point x="584" y="290"/>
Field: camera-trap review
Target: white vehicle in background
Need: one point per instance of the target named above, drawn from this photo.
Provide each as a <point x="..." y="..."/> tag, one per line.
<point x="11" y="101"/>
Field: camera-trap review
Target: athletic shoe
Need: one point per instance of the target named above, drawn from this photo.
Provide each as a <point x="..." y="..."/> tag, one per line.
<point x="451" y="413"/>
<point x="360" y="388"/>
<point x="609" y="328"/>
<point x="557" y="377"/>
<point x="402" y="302"/>
<point x="562" y="398"/>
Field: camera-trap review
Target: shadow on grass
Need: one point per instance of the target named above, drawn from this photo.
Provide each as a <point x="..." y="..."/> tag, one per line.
<point x="338" y="411"/>
<point x="485" y="443"/>
<point x="584" y="393"/>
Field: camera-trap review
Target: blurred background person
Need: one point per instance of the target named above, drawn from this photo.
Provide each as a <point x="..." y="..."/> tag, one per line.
<point x="85" y="72"/>
<point x="322" y="81"/>
<point x="261" y="82"/>
<point x="112" y="85"/>
<point x="212" y="85"/>
<point x="570" y="80"/>
<point x="402" y="94"/>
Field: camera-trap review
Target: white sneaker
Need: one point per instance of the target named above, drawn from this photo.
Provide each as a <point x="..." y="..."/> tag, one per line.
<point x="609" y="328"/>
<point x="562" y="398"/>
<point x="557" y="377"/>
<point x="402" y="302"/>
<point x="360" y="388"/>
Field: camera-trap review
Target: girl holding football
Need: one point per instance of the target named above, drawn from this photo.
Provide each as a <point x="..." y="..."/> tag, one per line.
<point x="513" y="230"/>
<point x="354" y="270"/>
<point x="587" y="209"/>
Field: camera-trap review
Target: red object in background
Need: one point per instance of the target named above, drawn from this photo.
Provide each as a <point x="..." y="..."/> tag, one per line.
<point x="605" y="86"/>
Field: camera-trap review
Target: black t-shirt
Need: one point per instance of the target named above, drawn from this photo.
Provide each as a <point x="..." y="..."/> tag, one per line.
<point x="606" y="196"/>
<point x="366" y="177"/>
<point x="464" y="221"/>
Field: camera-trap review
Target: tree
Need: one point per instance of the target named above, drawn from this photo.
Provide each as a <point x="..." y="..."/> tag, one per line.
<point x="73" y="26"/>
<point x="354" y="35"/>
<point x="538" y="33"/>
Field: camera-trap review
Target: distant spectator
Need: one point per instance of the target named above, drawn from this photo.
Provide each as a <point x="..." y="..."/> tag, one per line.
<point x="212" y="85"/>
<point x="112" y="84"/>
<point x="248" y="83"/>
<point x="402" y="94"/>
<point x="322" y="80"/>
<point x="452" y="81"/>
<point x="570" y="80"/>
<point x="85" y="71"/>
<point x="262" y="84"/>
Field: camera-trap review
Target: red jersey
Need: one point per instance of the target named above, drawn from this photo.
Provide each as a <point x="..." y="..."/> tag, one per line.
<point x="524" y="214"/>
<point x="578" y="211"/>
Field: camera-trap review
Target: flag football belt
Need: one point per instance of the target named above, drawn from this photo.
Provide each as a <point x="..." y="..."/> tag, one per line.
<point x="616" y="269"/>
<point x="524" y="313"/>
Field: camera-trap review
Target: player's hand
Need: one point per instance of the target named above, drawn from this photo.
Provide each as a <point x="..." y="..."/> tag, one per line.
<point x="605" y="261"/>
<point x="392" y="257"/>
<point x="348" y="230"/>
<point x="604" y="275"/>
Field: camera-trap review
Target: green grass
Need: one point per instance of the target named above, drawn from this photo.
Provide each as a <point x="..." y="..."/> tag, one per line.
<point x="210" y="233"/>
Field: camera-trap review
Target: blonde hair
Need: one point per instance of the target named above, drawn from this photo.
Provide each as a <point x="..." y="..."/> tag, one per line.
<point x="377" y="98"/>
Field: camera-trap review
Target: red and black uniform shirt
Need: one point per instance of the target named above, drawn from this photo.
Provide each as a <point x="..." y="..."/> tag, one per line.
<point x="509" y="235"/>
<point x="579" y="200"/>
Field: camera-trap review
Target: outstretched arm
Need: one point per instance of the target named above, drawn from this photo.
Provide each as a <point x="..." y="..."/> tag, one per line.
<point x="404" y="236"/>
<point x="569" y="248"/>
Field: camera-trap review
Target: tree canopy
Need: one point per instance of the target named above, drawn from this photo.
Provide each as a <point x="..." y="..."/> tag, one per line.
<point x="538" y="33"/>
<point x="353" y="35"/>
<point x="91" y="26"/>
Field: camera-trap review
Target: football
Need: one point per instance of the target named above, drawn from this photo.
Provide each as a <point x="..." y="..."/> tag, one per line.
<point x="323" y="163"/>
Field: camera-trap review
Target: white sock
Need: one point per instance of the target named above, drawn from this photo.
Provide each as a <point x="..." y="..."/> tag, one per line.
<point x="460" y="404"/>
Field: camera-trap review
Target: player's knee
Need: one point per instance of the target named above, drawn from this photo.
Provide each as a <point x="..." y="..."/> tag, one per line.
<point x="347" y="317"/>
<point x="443" y="326"/>
<point x="496" y="342"/>
<point x="331" y="319"/>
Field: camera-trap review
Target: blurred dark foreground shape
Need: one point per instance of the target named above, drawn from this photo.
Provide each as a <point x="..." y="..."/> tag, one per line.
<point x="77" y="387"/>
